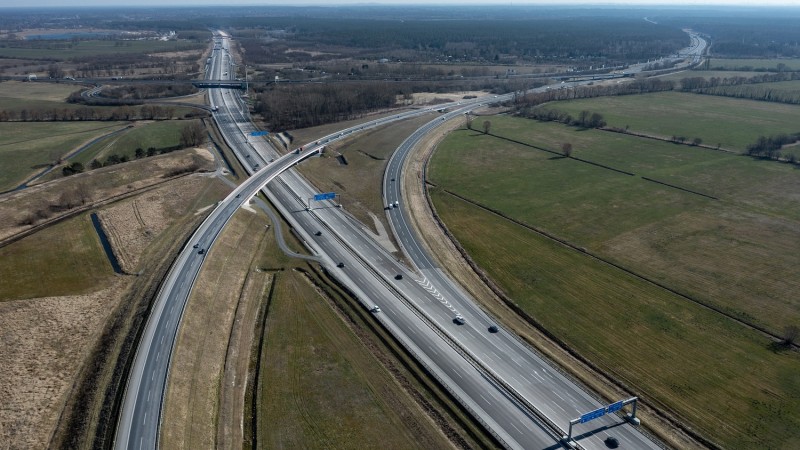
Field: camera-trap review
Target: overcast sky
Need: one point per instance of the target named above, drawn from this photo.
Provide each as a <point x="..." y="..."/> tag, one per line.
<point x="106" y="3"/>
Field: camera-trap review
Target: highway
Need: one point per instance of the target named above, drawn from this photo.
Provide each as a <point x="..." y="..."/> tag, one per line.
<point x="520" y="398"/>
<point x="369" y="272"/>
<point x="543" y="386"/>
<point x="141" y="411"/>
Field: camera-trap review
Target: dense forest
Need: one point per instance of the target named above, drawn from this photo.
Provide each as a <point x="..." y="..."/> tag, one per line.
<point x="751" y="32"/>
<point x="599" y="40"/>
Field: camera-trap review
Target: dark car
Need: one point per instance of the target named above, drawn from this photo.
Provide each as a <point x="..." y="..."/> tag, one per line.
<point x="341" y="264"/>
<point x="196" y="245"/>
<point x="611" y="442"/>
<point x="202" y="251"/>
<point x="318" y="233"/>
<point x="398" y="277"/>
<point x="493" y="329"/>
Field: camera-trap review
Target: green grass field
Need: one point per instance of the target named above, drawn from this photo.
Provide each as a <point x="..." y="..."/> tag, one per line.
<point x="18" y="96"/>
<point x="750" y="64"/>
<point x="708" y="249"/>
<point x="27" y="148"/>
<point x="58" y="50"/>
<point x="160" y="134"/>
<point x="738" y="253"/>
<point x="731" y="123"/>
<point x="718" y="375"/>
<point x="321" y="389"/>
<point x="43" y="264"/>
<point x="26" y="91"/>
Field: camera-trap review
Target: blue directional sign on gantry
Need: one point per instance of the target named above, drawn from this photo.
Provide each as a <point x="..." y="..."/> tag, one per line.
<point x="259" y="133"/>
<point x="593" y="415"/>
<point x="325" y="196"/>
<point x="614" y="407"/>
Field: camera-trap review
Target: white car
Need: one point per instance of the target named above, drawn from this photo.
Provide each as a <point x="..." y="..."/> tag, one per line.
<point x="375" y="309"/>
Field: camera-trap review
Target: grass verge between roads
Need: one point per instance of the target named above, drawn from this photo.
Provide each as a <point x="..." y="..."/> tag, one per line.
<point x="360" y="182"/>
<point x="723" y="378"/>
<point x="731" y="123"/>
<point x="321" y="388"/>
<point x="199" y="358"/>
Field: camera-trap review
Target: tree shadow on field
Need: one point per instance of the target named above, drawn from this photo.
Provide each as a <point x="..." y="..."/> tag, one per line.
<point x="779" y="346"/>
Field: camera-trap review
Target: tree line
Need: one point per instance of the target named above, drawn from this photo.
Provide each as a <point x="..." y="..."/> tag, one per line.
<point x="744" y="87"/>
<point x="585" y="119"/>
<point x="524" y="104"/>
<point x="88" y="113"/>
<point x="301" y="106"/>
<point x="769" y="146"/>
<point x="692" y="83"/>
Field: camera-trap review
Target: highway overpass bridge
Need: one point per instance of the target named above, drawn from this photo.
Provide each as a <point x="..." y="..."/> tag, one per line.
<point x="221" y="84"/>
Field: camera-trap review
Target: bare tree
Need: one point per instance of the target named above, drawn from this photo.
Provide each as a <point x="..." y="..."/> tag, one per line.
<point x="486" y="126"/>
<point x="469" y="121"/>
<point x="566" y="149"/>
<point x="192" y="135"/>
<point x="790" y="335"/>
<point x="83" y="193"/>
<point x="583" y="118"/>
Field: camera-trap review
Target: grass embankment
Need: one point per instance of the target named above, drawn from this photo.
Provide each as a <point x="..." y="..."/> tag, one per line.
<point x="730" y="123"/>
<point x="27" y="148"/>
<point x="360" y="182"/>
<point x="43" y="264"/>
<point x="736" y="253"/>
<point x="200" y="354"/>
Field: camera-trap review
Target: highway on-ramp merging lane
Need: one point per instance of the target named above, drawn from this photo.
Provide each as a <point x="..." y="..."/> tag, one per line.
<point x="146" y="383"/>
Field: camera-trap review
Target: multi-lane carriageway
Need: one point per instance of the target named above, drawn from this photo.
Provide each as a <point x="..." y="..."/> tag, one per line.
<point x="519" y="397"/>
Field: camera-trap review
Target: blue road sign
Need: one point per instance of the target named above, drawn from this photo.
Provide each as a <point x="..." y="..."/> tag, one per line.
<point x="614" y="407"/>
<point x="325" y="196"/>
<point x="259" y="133"/>
<point x="593" y="415"/>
